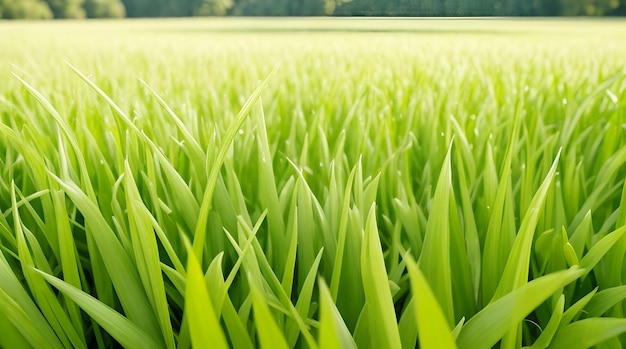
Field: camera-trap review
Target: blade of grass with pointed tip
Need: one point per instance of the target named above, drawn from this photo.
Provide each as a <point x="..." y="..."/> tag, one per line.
<point x="68" y="254"/>
<point x="433" y="329"/>
<point x="495" y="320"/>
<point x="516" y="270"/>
<point x="200" y="229"/>
<point x="122" y="329"/>
<point x="222" y="304"/>
<point x="499" y="237"/>
<point x="119" y="266"/>
<point x="548" y="332"/>
<point x="341" y="239"/>
<point x="268" y="193"/>
<point x="196" y="153"/>
<point x="434" y="260"/>
<point x="204" y="326"/>
<point x="43" y="295"/>
<point x="270" y="335"/>
<point x="303" y="305"/>
<point x="604" y="300"/>
<point x="588" y="332"/>
<point x="382" y="318"/>
<point x="600" y="249"/>
<point x="333" y="333"/>
<point x="145" y="249"/>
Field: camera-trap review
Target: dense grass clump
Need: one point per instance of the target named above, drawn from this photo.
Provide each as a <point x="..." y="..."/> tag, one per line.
<point x="313" y="183"/>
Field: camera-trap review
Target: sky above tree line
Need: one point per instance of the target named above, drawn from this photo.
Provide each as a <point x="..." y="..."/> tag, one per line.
<point x="47" y="9"/>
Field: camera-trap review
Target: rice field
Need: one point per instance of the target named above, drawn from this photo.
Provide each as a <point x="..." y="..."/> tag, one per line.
<point x="313" y="183"/>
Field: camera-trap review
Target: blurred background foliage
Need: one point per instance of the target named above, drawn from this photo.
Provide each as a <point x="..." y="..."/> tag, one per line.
<point x="47" y="9"/>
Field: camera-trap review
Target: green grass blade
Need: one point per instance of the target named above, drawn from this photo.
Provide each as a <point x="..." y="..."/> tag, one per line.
<point x="434" y="260"/>
<point x="604" y="300"/>
<point x="333" y="333"/>
<point x="200" y="229"/>
<point x="204" y="326"/>
<point x="433" y="329"/>
<point x="123" y="330"/>
<point x="119" y="266"/>
<point x="548" y="332"/>
<point x="270" y="335"/>
<point x="588" y="332"/>
<point x="516" y="270"/>
<point x="382" y="318"/>
<point x="490" y="324"/>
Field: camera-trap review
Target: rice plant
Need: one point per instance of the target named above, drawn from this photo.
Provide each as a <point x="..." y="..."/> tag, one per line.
<point x="313" y="184"/>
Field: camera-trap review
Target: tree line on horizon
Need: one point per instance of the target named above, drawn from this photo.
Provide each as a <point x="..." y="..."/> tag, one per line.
<point x="77" y="9"/>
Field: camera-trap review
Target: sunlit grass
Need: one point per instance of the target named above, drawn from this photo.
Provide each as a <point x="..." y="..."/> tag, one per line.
<point x="168" y="184"/>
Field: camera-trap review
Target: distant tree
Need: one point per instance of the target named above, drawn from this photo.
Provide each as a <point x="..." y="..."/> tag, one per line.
<point x="588" y="7"/>
<point x="104" y="9"/>
<point x="307" y="7"/>
<point x="24" y="9"/>
<point x="67" y="8"/>
<point x="602" y="7"/>
<point x="213" y="7"/>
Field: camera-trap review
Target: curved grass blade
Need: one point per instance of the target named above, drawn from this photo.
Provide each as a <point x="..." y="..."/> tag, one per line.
<point x="604" y="300"/>
<point x="432" y="326"/>
<point x="200" y="229"/>
<point x="122" y="329"/>
<point x="204" y="326"/>
<point x="490" y="324"/>
<point x="333" y="333"/>
<point x="434" y="261"/>
<point x="270" y="335"/>
<point x="588" y="332"/>
<point x="547" y="334"/>
<point x="382" y="317"/>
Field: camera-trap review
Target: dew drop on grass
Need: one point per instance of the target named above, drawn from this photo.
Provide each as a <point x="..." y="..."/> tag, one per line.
<point x="564" y="101"/>
<point x="240" y="131"/>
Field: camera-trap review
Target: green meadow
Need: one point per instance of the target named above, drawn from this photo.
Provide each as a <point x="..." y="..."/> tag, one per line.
<point x="313" y="183"/>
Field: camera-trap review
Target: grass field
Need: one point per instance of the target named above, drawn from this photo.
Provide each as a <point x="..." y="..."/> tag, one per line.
<point x="314" y="183"/>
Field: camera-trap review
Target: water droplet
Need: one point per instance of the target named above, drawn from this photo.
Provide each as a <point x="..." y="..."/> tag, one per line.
<point x="240" y="131"/>
<point x="442" y="134"/>
<point x="564" y="101"/>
